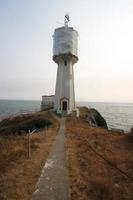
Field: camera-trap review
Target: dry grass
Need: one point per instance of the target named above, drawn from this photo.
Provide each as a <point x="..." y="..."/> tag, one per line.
<point x="90" y="176"/>
<point x="18" y="174"/>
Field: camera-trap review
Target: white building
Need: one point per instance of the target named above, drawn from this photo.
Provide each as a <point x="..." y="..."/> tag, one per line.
<point x="47" y="102"/>
<point x="65" y="55"/>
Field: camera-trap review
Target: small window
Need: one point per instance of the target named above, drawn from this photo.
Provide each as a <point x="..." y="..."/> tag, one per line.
<point x="65" y="63"/>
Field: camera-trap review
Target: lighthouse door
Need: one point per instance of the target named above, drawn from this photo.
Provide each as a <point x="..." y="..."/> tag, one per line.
<point x="64" y="105"/>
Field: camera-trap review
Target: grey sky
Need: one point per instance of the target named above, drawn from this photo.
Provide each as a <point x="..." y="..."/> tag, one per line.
<point x="105" y="68"/>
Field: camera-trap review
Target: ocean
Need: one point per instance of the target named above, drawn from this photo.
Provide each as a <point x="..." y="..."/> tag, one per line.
<point x="117" y="115"/>
<point x="16" y="107"/>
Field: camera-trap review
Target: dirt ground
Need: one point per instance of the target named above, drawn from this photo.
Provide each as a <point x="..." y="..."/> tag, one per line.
<point x="18" y="174"/>
<point x="100" y="162"/>
<point x="92" y="177"/>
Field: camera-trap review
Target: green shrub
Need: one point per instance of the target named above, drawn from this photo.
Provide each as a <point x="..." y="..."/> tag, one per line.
<point x="23" y="123"/>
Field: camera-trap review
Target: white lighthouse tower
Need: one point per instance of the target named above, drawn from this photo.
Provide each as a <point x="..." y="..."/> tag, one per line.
<point x="65" y="55"/>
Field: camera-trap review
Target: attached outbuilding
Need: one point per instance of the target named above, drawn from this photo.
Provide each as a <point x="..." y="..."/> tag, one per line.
<point x="47" y="102"/>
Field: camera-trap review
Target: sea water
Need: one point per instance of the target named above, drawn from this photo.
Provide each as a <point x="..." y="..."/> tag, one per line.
<point x="16" y="107"/>
<point x="117" y="115"/>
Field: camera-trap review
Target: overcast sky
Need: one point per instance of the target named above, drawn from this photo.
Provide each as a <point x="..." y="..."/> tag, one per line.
<point x="105" y="68"/>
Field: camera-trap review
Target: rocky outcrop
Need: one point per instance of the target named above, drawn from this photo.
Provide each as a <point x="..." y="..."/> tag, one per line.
<point x="95" y="119"/>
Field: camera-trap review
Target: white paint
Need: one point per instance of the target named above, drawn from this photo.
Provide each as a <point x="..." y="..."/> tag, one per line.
<point x="77" y="112"/>
<point x="65" y="55"/>
<point x="65" y="41"/>
<point x="49" y="163"/>
<point x="49" y="98"/>
<point x="47" y="101"/>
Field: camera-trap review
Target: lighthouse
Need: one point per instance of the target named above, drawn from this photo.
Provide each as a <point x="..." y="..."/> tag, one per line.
<point x="65" y="55"/>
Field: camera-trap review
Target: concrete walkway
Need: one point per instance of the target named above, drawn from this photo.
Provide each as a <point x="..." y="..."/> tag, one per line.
<point x="53" y="183"/>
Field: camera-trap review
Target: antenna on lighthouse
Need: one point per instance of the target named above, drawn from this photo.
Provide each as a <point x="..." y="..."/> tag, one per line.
<point x="67" y="19"/>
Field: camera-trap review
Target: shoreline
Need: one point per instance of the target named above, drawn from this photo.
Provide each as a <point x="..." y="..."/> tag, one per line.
<point x="11" y="116"/>
<point x="117" y="115"/>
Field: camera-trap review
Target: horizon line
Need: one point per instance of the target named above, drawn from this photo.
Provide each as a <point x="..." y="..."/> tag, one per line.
<point x="81" y="101"/>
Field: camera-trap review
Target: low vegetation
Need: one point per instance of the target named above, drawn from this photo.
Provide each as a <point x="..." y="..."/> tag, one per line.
<point x="19" y="172"/>
<point x="130" y="135"/>
<point x="95" y="156"/>
<point x="24" y="123"/>
<point x="93" y="117"/>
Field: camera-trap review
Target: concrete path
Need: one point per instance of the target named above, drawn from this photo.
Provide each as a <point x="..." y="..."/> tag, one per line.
<point x="53" y="183"/>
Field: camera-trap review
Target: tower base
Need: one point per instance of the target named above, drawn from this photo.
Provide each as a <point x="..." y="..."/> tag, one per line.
<point x="64" y="93"/>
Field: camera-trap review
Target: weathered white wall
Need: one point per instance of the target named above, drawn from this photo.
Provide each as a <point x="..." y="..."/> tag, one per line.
<point x="48" y="98"/>
<point x="47" y="102"/>
<point x="65" y="85"/>
<point x="65" y="51"/>
<point x="65" y="41"/>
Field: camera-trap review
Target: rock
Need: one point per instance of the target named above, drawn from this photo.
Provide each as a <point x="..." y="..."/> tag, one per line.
<point x="117" y="130"/>
<point x="95" y="118"/>
<point x="116" y="185"/>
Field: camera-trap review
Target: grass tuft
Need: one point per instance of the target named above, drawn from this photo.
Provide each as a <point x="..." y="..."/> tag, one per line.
<point x="100" y="188"/>
<point x="23" y="123"/>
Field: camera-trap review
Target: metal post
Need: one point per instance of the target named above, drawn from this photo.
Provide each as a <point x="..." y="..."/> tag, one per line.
<point x="28" y="144"/>
<point x="45" y="130"/>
